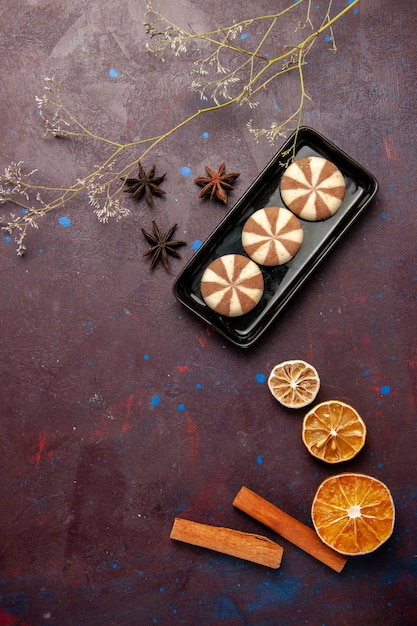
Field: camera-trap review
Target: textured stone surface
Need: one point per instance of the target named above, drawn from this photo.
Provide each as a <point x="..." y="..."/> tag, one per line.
<point x="119" y="410"/>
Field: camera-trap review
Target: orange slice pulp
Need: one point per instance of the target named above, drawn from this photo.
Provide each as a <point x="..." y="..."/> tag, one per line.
<point x="333" y="431"/>
<point x="353" y="513"/>
<point x="294" y="383"/>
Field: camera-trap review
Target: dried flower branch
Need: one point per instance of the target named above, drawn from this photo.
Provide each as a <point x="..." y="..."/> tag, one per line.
<point x="252" y="70"/>
<point x="227" y="73"/>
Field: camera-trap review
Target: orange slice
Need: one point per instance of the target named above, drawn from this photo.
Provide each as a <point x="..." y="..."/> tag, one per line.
<point x="353" y="513"/>
<point x="294" y="383"/>
<point x="333" y="431"/>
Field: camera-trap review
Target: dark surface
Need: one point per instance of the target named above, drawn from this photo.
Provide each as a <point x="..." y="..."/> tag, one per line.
<point x="120" y="410"/>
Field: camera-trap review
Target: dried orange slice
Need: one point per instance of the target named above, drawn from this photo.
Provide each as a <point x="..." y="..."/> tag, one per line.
<point x="353" y="513"/>
<point x="294" y="383"/>
<point x="333" y="431"/>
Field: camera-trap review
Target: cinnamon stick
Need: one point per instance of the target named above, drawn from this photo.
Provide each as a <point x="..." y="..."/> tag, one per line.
<point x="248" y="546"/>
<point x="300" y="535"/>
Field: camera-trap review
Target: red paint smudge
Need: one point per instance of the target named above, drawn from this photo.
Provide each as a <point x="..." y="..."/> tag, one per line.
<point x="128" y="414"/>
<point x="192" y="432"/>
<point x="362" y="299"/>
<point x="182" y="368"/>
<point x="37" y="456"/>
<point x="332" y="331"/>
<point x="128" y="409"/>
<point x="390" y="149"/>
<point x="10" y="620"/>
<point x="6" y="620"/>
<point x="366" y="341"/>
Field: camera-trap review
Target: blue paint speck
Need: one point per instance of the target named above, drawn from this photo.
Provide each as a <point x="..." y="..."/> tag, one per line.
<point x="259" y="460"/>
<point x="205" y="135"/>
<point x="385" y="390"/>
<point x="7" y="238"/>
<point x="146" y="357"/>
<point x="244" y="36"/>
<point x="155" y="400"/>
<point x="113" y="73"/>
<point x="115" y="566"/>
<point x="276" y="107"/>
<point x="327" y="38"/>
<point x="64" y="221"/>
<point x="181" y="407"/>
<point x="199" y="386"/>
<point x="260" y="378"/>
<point x="185" y="170"/>
<point x="196" y="245"/>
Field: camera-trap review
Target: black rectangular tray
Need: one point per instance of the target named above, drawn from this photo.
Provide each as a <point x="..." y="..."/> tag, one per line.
<point x="281" y="282"/>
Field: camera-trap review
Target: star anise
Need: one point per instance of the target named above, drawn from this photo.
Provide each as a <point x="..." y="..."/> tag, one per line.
<point x="162" y="245"/>
<point x="147" y="184"/>
<point x="216" y="184"/>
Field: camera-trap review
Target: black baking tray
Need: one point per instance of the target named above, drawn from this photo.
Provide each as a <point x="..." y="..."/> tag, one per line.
<point x="281" y="282"/>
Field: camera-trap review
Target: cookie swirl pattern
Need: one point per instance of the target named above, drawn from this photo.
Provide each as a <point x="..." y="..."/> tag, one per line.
<point x="232" y="285"/>
<point x="272" y="236"/>
<point x="313" y="188"/>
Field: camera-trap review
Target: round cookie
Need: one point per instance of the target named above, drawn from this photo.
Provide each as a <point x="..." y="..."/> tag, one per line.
<point x="232" y="285"/>
<point x="272" y="236"/>
<point x="313" y="188"/>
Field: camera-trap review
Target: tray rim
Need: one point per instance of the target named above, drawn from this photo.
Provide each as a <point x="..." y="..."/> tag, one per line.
<point x="289" y="144"/>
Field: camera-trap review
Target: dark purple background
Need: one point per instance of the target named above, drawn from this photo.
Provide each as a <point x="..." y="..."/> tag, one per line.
<point x="119" y="410"/>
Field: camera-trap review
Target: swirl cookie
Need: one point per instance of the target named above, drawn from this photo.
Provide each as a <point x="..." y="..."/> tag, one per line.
<point x="272" y="236"/>
<point x="313" y="188"/>
<point x="232" y="285"/>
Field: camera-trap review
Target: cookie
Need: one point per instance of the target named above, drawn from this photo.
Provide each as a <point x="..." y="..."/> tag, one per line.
<point x="313" y="188"/>
<point x="272" y="236"/>
<point x="232" y="285"/>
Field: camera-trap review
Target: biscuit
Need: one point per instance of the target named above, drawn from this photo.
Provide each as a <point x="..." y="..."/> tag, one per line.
<point x="232" y="285"/>
<point x="272" y="236"/>
<point x="313" y="188"/>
